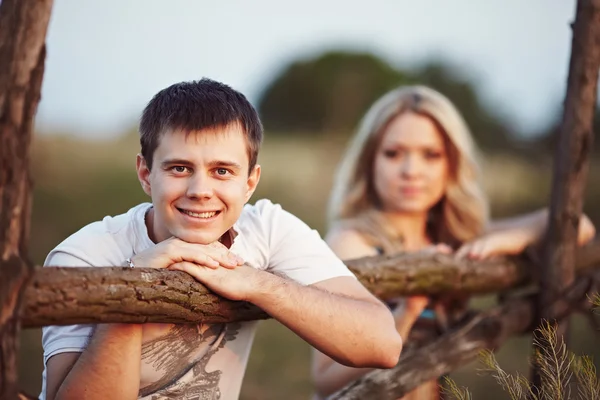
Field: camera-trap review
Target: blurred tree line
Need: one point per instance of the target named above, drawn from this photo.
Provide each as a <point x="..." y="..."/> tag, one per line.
<point x="328" y="94"/>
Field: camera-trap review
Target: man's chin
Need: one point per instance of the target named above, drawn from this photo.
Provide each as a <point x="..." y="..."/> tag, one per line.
<point x="198" y="238"/>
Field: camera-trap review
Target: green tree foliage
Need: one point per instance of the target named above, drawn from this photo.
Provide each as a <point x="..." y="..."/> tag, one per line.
<point x="328" y="95"/>
<point x="489" y="129"/>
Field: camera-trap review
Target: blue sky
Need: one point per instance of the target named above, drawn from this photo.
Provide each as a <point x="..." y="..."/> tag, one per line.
<point x="107" y="58"/>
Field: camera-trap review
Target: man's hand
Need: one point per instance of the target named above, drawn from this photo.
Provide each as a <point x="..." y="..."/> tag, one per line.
<point x="233" y="284"/>
<point x="174" y="250"/>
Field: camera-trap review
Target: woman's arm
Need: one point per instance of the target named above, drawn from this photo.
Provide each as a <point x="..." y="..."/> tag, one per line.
<point x="536" y="223"/>
<point x="512" y="236"/>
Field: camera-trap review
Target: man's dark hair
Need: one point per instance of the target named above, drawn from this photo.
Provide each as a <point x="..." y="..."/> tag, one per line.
<point x="194" y="106"/>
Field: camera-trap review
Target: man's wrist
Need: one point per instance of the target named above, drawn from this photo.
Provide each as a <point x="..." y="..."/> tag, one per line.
<point x="261" y="284"/>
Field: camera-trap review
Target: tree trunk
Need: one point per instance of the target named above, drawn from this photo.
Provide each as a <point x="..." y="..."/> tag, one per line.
<point x="571" y="165"/>
<point x="23" y="25"/>
<point x="62" y="296"/>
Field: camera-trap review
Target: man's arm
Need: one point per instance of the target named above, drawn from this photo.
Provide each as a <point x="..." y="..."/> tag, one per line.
<point x="108" y="367"/>
<point x="107" y="364"/>
<point x="337" y="316"/>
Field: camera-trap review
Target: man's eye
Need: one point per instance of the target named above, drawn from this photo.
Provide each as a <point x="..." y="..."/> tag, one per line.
<point x="222" y="171"/>
<point x="180" y="169"/>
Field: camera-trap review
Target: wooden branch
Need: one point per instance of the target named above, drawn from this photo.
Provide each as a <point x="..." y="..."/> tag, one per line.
<point x="456" y="348"/>
<point x="572" y="157"/>
<point x="571" y="164"/>
<point x="62" y="296"/>
<point x="23" y="25"/>
<point x="412" y="274"/>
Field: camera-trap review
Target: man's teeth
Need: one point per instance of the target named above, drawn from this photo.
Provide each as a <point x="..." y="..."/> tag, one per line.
<point x="200" y="215"/>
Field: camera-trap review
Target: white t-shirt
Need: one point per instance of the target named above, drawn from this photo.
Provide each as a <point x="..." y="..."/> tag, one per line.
<point x="204" y="361"/>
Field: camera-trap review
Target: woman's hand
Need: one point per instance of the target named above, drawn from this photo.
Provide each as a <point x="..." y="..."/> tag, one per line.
<point x="587" y="230"/>
<point x="508" y="242"/>
<point x="436" y="248"/>
<point x="407" y="312"/>
<point x="411" y="307"/>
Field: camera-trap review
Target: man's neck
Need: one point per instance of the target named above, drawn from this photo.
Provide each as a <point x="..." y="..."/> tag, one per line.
<point x="149" y="222"/>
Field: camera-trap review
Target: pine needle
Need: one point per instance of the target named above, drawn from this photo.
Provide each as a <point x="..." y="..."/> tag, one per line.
<point x="517" y="386"/>
<point x="588" y="384"/>
<point x="452" y="390"/>
<point x="554" y="362"/>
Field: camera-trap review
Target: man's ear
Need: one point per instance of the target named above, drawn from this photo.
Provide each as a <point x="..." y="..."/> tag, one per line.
<point x="253" y="179"/>
<point x="143" y="173"/>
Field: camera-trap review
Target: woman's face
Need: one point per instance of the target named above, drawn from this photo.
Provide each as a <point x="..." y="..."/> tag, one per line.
<point x="411" y="165"/>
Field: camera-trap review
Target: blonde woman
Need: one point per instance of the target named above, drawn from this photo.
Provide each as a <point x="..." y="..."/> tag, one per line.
<point x="410" y="182"/>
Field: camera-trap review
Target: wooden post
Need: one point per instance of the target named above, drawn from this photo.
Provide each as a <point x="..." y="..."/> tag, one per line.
<point x="571" y="166"/>
<point x="23" y="25"/>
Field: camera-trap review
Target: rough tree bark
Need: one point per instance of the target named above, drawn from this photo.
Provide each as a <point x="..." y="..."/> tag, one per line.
<point x="59" y="296"/>
<point x="457" y="347"/>
<point x="64" y="296"/>
<point x="23" y="25"/>
<point x="571" y="164"/>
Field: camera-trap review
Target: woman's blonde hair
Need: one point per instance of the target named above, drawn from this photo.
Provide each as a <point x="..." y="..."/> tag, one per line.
<point x="463" y="211"/>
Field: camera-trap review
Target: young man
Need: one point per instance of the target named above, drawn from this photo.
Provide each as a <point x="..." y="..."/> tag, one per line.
<point x="200" y="144"/>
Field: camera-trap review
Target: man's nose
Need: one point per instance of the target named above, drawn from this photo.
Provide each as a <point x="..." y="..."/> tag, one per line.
<point x="200" y="186"/>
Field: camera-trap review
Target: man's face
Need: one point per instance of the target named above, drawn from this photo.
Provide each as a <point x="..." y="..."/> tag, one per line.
<point x="199" y="183"/>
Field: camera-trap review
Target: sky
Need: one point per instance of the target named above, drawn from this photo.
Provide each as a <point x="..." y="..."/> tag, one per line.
<point x="107" y="58"/>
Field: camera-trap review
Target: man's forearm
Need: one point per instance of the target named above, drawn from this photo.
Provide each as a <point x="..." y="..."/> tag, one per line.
<point x="357" y="333"/>
<point x="109" y="368"/>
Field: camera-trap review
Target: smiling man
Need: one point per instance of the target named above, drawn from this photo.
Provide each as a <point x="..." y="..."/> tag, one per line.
<point x="198" y="164"/>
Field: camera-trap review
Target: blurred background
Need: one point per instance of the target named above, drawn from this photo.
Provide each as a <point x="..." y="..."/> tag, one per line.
<point x="311" y="68"/>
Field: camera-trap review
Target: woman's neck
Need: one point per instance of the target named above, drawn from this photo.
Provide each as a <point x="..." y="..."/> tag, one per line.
<point x="412" y="228"/>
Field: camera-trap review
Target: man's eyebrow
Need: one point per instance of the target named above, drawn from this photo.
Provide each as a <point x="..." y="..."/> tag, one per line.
<point x="223" y="163"/>
<point x="211" y="164"/>
<point x="176" y="161"/>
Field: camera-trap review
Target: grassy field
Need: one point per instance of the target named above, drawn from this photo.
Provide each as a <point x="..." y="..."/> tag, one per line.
<point x="77" y="182"/>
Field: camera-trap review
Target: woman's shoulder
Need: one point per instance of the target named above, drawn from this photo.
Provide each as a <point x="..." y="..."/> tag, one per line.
<point x="349" y="243"/>
<point x="343" y="232"/>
